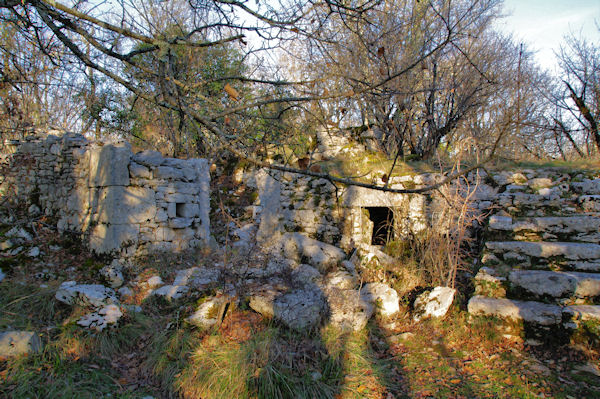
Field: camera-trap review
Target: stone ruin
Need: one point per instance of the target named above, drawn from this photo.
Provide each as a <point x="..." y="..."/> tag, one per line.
<point x="121" y="203"/>
<point x="541" y="263"/>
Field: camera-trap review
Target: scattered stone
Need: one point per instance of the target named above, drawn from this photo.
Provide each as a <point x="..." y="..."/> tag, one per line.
<point x="113" y="274"/>
<point x="384" y="297"/>
<point x="16" y="343"/>
<point x="125" y="292"/>
<point x="154" y="281"/>
<point x="18" y="232"/>
<point x="94" y="295"/>
<point x="207" y="313"/>
<point x="395" y="339"/>
<point x="99" y="320"/>
<point x="434" y="304"/>
<point x="171" y="292"/>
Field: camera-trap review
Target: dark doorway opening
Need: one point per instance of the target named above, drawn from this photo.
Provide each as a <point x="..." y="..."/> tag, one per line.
<point x="383" y="224"/>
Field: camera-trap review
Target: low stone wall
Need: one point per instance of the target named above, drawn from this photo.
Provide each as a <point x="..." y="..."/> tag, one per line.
<point x="122" y="203"/>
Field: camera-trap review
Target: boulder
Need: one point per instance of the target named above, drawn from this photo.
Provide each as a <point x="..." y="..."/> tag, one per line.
<point x="434" y="303"/>
<point x="384" y="297"/>
<point x="300" y="309"/>
<point x="341" y="279"/>
<point x="94" y="295"/>
<point x="348" y="310"/>
<point x="2" y="275"/>
<point x="15" y="343"/>
<point x="99" y="320"/>
<point x="304" y="274"/>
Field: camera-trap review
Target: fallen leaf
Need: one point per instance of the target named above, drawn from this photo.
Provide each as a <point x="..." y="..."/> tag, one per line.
<point x="233" y="93"/>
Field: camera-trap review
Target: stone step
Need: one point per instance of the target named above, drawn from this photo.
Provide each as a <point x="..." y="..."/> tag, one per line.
<point x="552" y="204"/>
<point x="543" y="284"/>
<point x="543" y="255"/>
<point x="562" y="287"/>
<point x="527" y="311"/>
<point x="584" y="228"/>
<point x="532" y="313"/>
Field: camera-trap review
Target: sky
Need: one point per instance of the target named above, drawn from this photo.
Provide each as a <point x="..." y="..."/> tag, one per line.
<point x="542" y="24"/>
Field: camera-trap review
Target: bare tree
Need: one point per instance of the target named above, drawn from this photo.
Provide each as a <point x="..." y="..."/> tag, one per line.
<point x="577" y="97"/>
<point x="130" y="45"/>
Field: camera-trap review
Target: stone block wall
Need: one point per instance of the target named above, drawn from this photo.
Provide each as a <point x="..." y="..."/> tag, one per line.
<point x="120" y="202"/>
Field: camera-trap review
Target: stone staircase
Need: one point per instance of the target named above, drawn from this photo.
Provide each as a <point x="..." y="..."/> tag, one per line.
<point x="541" y="262"/>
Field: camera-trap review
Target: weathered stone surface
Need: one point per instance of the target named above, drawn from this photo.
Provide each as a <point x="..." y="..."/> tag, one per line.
<point x="94" y="295"/>
<point x="207" y="313"/>
<point x="113" y="274"/>
<point x="578" y="228"/>
<point x="198" y="278"/>
<point x="18" y="232"/>
<point x="556" y="284"/>
<point x="137" y="170"/>
<point x="33" y="252"/>
<point x="269" y="193"/>
<point x="583" y="312"/>
<point x="126" y="205"/>
<point x="528" y="311"/>
<point x="153" y="282"/>
<point x="263" y="301"/>
<point x="304" y="274"/>
<point x="109" y="165"/>
<point x="384" y="297"/>
<point x="590" y="203"/>
<point x="341" y="279"/>
<point x="16" y="343"/>
<point x="434" y="303"/>
<point x="569" y="250"/>
<point x="348" y="310"/>
<point x="318" y="254"/>
<point x="300" y="309"/>
<point x="587" y="187"/>
<point x="109" y="238"/>
<point x="108" y="315"/>
<point x="149" y="158"/>
<point x="171" y="292"/>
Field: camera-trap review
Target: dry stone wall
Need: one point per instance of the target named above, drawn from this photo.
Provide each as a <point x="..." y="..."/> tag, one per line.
<point x="293" y="203"/>
<point x="121" y="203"/>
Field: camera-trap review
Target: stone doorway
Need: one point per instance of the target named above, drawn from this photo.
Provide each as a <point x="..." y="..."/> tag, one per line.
<point x="383" y="224"/>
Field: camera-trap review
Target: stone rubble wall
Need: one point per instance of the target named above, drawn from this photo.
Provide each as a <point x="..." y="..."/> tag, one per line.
<point x="121" y="202"/>
<point x="314" y="207"/>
